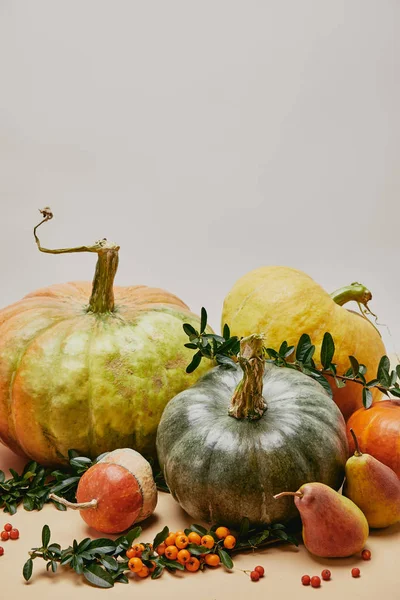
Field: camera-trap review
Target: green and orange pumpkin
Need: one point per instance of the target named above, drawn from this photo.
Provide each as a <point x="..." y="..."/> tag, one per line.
<point x="90" y="367"/>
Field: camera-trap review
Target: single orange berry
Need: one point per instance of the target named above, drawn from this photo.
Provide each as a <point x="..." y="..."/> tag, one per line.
<point x="230" y="542"/>
<point x="212" y="560"/>
<point x="170" y="540"/>
<point x="161" y="549"/>
<point x="207" y="541"/>
<point x="135" y="564"/>
<point x="130" y="553"/>
<point x="144" y="571"/>
<point x="139" y="548"/>
<point x="180" y="532"/>
<point x="194" y="538"/>
<point x="183" y="556"/>
<point x="171" y="552"/>
<point x="181" y="541"/>
<point x="193" y="564"/>
<point x="222" y="532"/>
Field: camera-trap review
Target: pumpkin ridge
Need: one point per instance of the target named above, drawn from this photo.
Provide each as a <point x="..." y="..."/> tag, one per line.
<point x="91" y="432"/>
<point x="10" y="402"/>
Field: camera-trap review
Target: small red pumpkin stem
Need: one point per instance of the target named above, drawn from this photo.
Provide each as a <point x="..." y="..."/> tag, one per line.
<point x="282" y="494"/>
<point x="357" y="451"/>
<point x="102" y="298"/>
<point x="74" y="505"/>
<point x="247" y="401"/>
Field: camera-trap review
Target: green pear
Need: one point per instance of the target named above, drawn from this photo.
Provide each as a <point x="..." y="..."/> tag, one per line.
<point x="333" y="526"/>
<point x="374" y="487"/>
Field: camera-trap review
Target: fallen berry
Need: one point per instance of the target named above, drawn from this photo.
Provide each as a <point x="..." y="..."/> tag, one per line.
<point x="7" y="527"/>
<point x="315" y="581"/>
<point x="355" y="572"/>
<point x="14" y="534"/>
<point x="254" y="575"/>
<point x="305" y="580"/>
<point x="326" y="574"/>
<point x="1" y="550"/>
<point x="260" y="570"/>
<point x="366" y="554"/>
<point x="5" y="536"/>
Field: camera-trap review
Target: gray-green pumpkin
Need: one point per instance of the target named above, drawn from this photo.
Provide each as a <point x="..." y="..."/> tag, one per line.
<point x="239" y="436"/>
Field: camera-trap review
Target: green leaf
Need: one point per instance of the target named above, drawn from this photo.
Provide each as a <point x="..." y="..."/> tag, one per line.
<point x="303" y="346"/>
<point x="355" y="367"/>
<point x="367" y="397"/>
<point x="157" y="572"/>
<point x="101" y="546"/>
<point x="2" y="476"/>
<point x="199" y="529"/>
<point x="85" y="543"/>
<point x="226" y="361"/>
<point x="225" y="558"/>
<point x="133" y="534"/>
<point x="226" y="332"/>
<point x="29" y="503"/>
<point x="27" y="569"/>
<point x="196" y="360"/>
<point x="393" y="377"/>
<point x="45" y="536"/>
<point x="322" y="381"/>
<point x="97" y="576"/>
<point x="203" y="321"/>
<point x="64" y="484"/>
<point x="172" y="564"/>
<point x="160" y="537"/>
<point x="190" y="330"/>
<point x="383" y="371"/>
<point x="327" y="350"/>
<point x="197" y="550"/>
<point x="395" y="392"/>
<point x="55" y="549"/>
<point x="121" y="578"/>
<point x="109" y="562"/>
<point x="54" y="566"/>
<point x="191" y="346"/>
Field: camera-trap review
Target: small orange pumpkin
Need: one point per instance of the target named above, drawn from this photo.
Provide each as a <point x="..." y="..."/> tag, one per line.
<point x="378" y="432"/>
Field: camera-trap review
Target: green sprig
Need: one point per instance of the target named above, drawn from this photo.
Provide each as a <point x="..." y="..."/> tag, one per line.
<point x="225" y="349"/>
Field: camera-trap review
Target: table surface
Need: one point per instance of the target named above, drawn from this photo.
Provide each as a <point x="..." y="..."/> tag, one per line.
<point x="284" y="564"/>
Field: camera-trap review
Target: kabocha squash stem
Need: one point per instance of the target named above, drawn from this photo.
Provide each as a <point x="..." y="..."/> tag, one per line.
<point x="74" y="505"/>
<point x="356" y="292"/>
<point x="247" y="401"/>
<point x="102" y="298"/>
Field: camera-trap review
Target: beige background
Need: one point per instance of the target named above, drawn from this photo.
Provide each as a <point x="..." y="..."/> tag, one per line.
<point x="207" y="138"/>
<point x="284" y="565"/>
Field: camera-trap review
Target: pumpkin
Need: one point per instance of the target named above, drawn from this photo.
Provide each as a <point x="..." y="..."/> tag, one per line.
<point x="115" y="492"/>
<point x="242" y="434"/>
<point x="283" y="303"/>
<point x="90" y="367"/>
<point x="378" y="432"/>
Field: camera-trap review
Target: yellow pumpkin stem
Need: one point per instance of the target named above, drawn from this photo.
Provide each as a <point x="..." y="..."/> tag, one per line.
<point x="102" y="298"/>
<point x="247" y="401"/>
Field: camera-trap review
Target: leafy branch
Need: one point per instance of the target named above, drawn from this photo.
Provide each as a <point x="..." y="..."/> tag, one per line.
<point x="301" y="358"/>
<point x="224" y="349"/>
<point x="34" y="485"/>
<point x="103" y="562"/>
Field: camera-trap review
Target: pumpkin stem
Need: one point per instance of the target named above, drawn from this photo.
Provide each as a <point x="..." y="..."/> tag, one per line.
<point x="247" y="401"/>
<point x="102" y="298"/>
<point x="357" y="451"/>
<point x="74" y="505"/>
<point x="356" y="292"/>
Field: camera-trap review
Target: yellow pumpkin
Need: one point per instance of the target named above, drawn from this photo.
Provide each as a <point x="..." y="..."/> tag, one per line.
<point x="283" y="303"/>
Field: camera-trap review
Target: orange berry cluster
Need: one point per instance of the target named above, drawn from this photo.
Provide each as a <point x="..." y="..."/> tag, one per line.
<point x="180" y="547"/>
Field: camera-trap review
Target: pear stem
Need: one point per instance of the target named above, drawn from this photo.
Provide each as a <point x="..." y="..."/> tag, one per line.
<point x="357" y="451"/>
<point x="298" y="494"/>
<point x="74" y="505"/>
